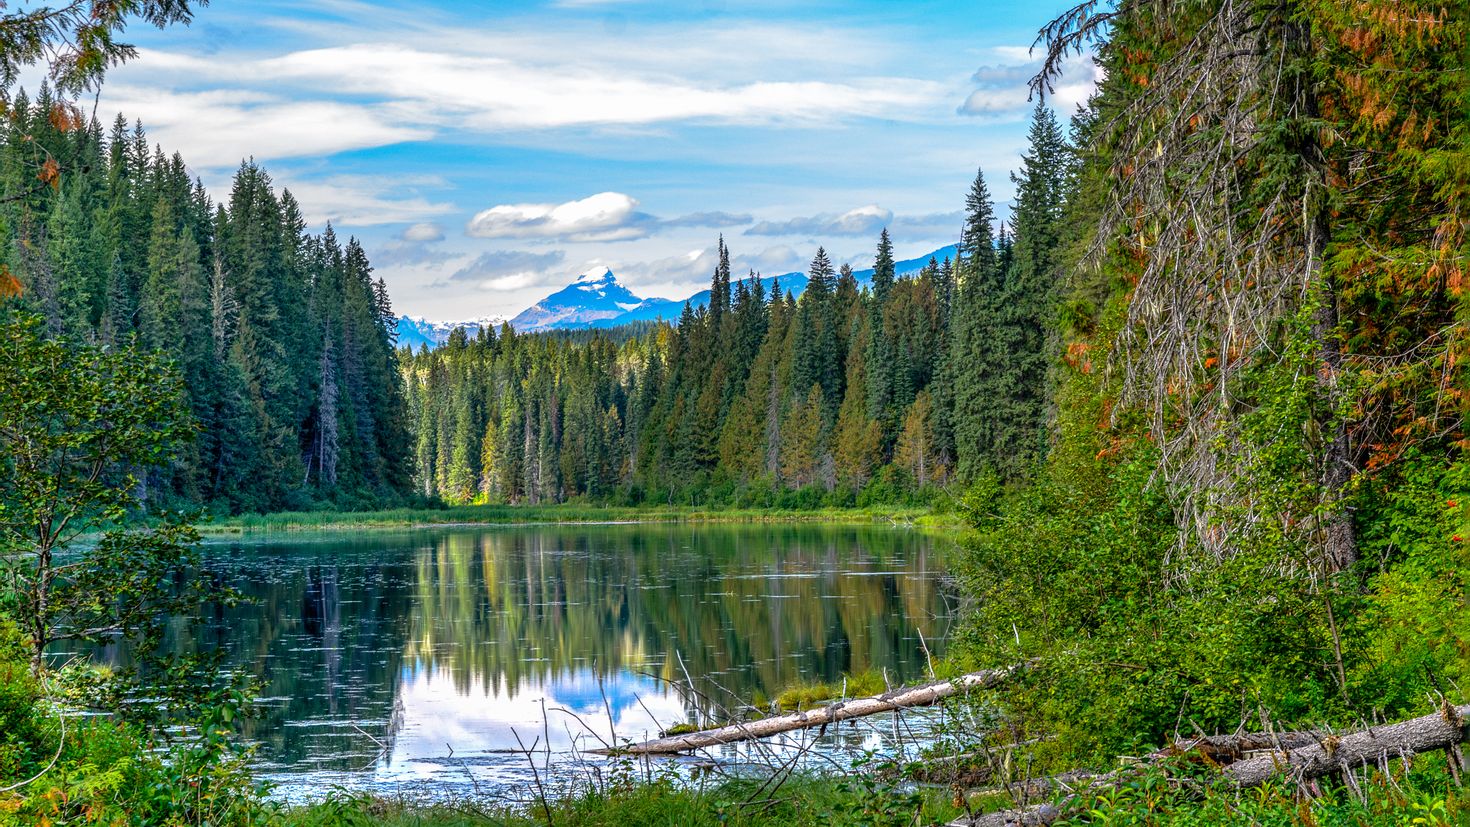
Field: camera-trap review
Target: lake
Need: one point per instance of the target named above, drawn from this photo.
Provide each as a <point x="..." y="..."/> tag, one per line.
<point x="433" y="660"/>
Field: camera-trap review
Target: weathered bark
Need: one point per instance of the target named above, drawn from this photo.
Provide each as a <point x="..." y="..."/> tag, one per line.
<point x="1339" y="540"/>
<point x="1332" y="754"/>
<point x="901" y="698"/>
<point x="1214" y="750"/>
<point x="1324" y="755"/>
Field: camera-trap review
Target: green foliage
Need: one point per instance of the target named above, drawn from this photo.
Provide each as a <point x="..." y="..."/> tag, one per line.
<point x="808" y="695"/>
<point x="283" y="339"/>
<point x="796" y="800"/>
<point x="97" y="770"/>
<point x="1412" y="623"/>
<point x="1422" y="795"/>
<point x="81" y="426"/>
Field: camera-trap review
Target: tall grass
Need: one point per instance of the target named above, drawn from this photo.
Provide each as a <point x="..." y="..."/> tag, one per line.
<point x="1425" y="794"/>
<point x="567" y="513"/>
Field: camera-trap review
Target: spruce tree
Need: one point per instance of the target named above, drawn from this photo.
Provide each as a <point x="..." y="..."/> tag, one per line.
<point x="1029" y="297"/>
<point x="975" y="361"/>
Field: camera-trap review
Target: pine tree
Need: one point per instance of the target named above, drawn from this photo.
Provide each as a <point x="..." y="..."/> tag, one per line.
<point x="801" y="448"/>
<point x="976" y="363"/>
<point x="880" y="355"/>
<point x="1029" y="298"/>
<point x="857" y="439"/>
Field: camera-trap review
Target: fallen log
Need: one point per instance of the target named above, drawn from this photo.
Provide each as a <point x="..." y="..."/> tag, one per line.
<point x="1214" y="750"/>
<point x="901" y="698"/>
<point x="1324" y="755"/>
<point x="1429" y="733"/>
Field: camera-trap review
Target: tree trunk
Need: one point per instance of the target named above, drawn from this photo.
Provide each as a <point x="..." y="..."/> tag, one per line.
<point x="1339" y="541"/>
<point x="1329" y="754"/>
<point x="901" y="698"/>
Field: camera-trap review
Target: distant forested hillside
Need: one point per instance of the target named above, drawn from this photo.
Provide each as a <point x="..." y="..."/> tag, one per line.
<point x="282" y="337"/>
<point x="844" y="395"/>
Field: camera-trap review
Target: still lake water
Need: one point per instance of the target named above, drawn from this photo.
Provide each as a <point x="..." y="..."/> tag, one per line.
<point x="421" y="661"/>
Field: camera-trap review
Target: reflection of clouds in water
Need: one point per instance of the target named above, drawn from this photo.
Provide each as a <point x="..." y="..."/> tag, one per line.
<point x="440" y="715"/>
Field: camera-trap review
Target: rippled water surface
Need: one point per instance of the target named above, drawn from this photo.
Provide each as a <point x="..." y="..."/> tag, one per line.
<point x="427" y="660"/>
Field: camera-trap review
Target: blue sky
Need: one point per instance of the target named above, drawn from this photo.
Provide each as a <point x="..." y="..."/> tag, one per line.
<point x="486" y="153"/>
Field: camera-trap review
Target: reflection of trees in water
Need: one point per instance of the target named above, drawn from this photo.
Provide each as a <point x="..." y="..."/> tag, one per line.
<point x="333" y="626"/>
<point x="757" y="608"/>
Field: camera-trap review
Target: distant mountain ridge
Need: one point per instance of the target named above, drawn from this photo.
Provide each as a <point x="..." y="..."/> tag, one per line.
<point x="416" y="332"/>
<point x="596" y="299"/>
<point x="794" y="283"/>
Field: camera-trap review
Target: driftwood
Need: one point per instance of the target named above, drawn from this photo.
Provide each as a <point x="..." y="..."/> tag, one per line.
<point x="901" y="698"/>
<point x="1322" y="754"/>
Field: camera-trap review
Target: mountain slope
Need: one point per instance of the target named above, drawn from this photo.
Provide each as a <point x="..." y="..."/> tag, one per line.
<point x="595" y="295"/>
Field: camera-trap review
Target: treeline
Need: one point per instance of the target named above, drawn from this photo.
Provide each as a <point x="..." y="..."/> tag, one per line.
<point x="282" y="337"/>
<point x="848" y="393"/>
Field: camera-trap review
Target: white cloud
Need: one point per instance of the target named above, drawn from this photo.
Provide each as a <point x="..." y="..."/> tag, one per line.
<point x="680" y="276"/>
<point x="709" y="219"/>
<point x="360" y="201"/>
<point x="221" y="128"/>
<point x="929" y="226"/>
<point x="513" y="269"/>
<point x="424" y="231"/>
<point x="442" y="78"/>
<point x="496" y="93"/>
<point x="869" y="220"/>
<point x="606" y="216"/>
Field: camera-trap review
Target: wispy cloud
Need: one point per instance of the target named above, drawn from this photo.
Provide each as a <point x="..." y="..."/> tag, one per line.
<point x="362" y="201"/>
<point x="928" y="226"/>
<point x="683" y="275"/>
<point x="554" y="80"/>
<point x="417" y="245"/>
<point x="222" y="128"/>
<point x="422" y="232"/>
<point x="1004" y="88"/>
<point x="513" y="269"/>
<point x="867" y="220"/>
<point x="863" y="221"/>
<point x="710" y="219"/>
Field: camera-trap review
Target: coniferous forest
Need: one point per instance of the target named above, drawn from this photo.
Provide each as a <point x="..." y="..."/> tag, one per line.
<point x="1191" y="406"/>
<point x="282" y="338"/>
<point x="847" y="394"/>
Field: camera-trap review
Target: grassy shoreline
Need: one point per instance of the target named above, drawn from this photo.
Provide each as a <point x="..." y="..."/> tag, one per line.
<point x="570" y="514"/>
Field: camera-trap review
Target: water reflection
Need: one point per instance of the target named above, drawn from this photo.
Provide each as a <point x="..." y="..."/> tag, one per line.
<point x="422" y="655"/>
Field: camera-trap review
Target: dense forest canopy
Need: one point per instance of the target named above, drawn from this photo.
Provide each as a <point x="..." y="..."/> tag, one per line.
<point x="846" y="394"/>
<point x="282" y="338"/>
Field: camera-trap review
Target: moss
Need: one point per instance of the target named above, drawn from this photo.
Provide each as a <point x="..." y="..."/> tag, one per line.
<point x="808" y="695"/>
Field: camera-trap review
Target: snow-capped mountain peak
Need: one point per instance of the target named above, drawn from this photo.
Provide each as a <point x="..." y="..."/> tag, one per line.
<point x="597" y="275"/>
<point x="594" y="296"/>
<point x="416" y="331"/>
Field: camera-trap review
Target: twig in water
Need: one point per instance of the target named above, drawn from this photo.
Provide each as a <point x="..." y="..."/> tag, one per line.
<point x="536" y="776"/>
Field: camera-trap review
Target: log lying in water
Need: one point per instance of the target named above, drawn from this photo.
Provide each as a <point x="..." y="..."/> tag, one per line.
<point x="901" y="698"/>
<point x="1323" y="756"/>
